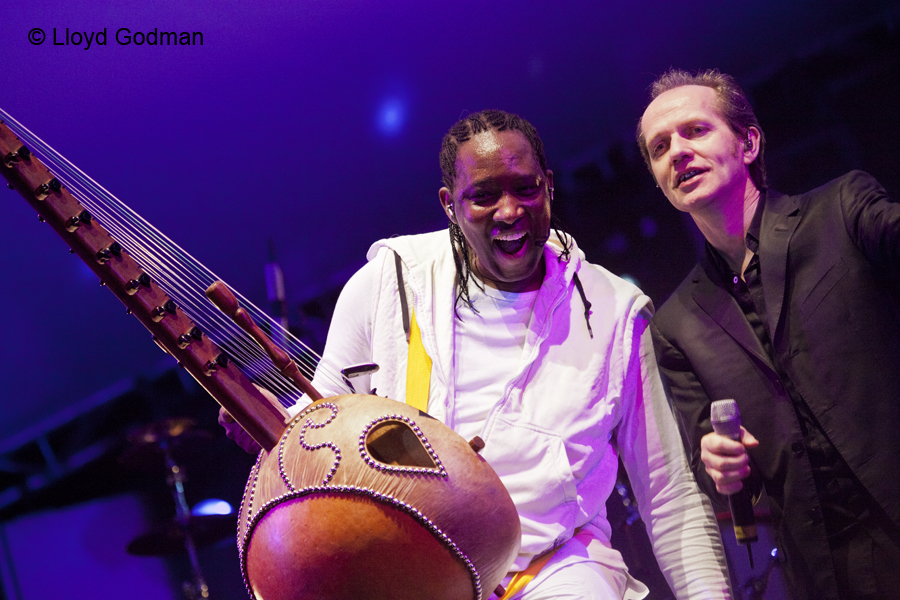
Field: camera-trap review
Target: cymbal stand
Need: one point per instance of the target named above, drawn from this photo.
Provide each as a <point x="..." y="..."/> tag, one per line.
<point x="755" y="587"/>
<point x="175" y="478"/>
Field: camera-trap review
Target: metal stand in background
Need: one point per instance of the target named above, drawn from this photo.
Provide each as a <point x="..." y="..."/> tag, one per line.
<point x="9" y="584"/>
<point x="755" y="587"/>
<point x="186" y="532"/>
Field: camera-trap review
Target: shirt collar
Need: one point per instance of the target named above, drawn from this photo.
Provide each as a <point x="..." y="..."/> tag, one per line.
<point x="751" y="240"/>
<point x="752" y="237"/>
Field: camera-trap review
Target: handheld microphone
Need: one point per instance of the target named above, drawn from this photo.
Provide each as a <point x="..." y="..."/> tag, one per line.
<point x="726" y="421"/>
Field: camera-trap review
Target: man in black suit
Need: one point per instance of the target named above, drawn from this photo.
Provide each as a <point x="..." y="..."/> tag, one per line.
<point x="793" y="311"/>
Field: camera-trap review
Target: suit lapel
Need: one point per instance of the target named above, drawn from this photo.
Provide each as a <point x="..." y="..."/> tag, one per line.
<point x="780" y="220"/>
<point x="724" y="310"/>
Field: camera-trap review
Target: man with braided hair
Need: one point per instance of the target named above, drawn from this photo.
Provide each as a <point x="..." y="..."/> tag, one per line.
<point x="546" y="357"/>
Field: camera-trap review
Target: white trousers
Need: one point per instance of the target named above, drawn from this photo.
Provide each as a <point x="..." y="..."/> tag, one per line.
<point x="571" y="575"/>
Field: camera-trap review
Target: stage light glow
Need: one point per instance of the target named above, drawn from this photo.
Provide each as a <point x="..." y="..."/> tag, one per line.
<point x="212" y="506"/>
<point x="630" y="279"/>
<point x="392" y="116"/>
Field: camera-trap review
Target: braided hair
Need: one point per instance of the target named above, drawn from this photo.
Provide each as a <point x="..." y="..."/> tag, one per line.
<point x="461" y="132"/>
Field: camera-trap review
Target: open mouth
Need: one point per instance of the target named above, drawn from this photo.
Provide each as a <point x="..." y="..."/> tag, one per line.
<point x="511" y="243"/>
<point x="687" y="176"/>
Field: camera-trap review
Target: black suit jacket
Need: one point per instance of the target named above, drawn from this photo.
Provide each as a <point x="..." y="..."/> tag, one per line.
<point x="829" y="263"/>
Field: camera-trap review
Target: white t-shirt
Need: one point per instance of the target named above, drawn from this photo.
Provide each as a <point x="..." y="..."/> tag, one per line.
<point x="489" y="345"/>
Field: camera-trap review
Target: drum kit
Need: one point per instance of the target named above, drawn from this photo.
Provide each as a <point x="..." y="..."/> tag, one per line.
<point x="187" y="531"/>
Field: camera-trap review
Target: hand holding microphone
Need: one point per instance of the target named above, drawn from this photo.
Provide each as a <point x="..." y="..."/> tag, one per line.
<point x="727" y="463"/>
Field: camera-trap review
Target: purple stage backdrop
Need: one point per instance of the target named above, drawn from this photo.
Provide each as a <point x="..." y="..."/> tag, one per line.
<point x="313" y="127"/>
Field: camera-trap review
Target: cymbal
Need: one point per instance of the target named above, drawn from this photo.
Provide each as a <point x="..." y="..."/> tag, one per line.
<point x="173" y="429"/>
<point x="147" y="443"/>
<point x="169" y="539"/>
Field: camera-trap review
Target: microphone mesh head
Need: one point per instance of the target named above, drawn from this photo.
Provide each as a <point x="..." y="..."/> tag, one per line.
<point x="723" y="411"/>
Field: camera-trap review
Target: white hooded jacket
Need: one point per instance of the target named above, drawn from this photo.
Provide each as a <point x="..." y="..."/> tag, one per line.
<point x="576" y="403"/>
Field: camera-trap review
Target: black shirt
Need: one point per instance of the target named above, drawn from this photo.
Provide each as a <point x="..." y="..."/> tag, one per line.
<point x="843" y="500"/>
